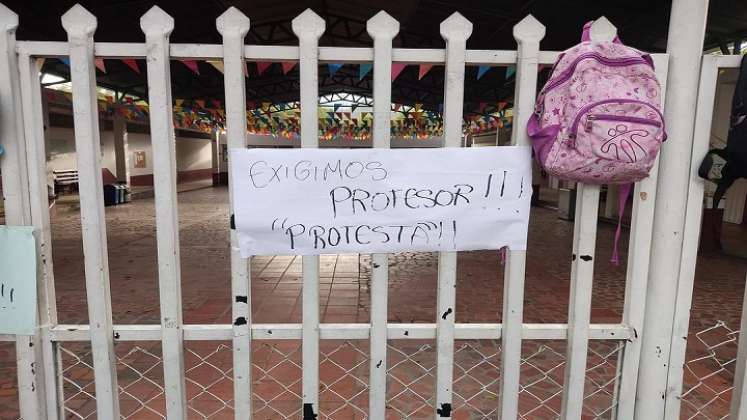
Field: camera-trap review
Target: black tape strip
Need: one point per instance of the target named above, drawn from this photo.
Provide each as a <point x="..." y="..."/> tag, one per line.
<point x="308" y="412"/>
<point x="445" y="410"/>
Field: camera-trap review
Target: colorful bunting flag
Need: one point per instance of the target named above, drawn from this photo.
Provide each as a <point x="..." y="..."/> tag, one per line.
<point x="510" y="70"/>
<point x="424" y="69"/>
<point x="217" y="64"/>
<point x="40" y="62"/>
<point x="132" y="64"/>
<point x="333" y="68"/>
<point x="65" y="61"/>
<point x="481" y="71"/>
<point x="262" y="66"/>
<point x="364" y="69"/>
<point x="192" y="65"/>
<point x="100" y="64"/>
<point x="397" y="69"/>
<point x="200" y="103"/>
<point x="288" y="66"/>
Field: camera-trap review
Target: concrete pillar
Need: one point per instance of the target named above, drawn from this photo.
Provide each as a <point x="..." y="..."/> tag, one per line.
<point x="215" y="155"/>
<point x="610" y="204"/>
<point x="659" y="385"/>
<point x="120" y="150"/>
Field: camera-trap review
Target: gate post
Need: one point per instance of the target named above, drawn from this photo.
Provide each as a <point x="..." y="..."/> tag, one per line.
<point x="17" y="205"/>
<point x="657" y="395"/>
<point x="80" y="26"/>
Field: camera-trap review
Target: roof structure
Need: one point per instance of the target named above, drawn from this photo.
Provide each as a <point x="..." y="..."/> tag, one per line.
<point x="642" y="24"/>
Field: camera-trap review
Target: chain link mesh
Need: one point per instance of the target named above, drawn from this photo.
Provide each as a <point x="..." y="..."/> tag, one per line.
<point x="344" y="375"/>
<point x="709" y="373"/>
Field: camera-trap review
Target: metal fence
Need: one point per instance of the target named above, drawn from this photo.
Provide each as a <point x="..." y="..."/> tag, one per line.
<point x="344" y="383"/>
<point x="445" y="374"/>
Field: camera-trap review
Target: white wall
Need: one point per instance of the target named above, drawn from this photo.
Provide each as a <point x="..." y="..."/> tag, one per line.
<point x="191" y="153"/>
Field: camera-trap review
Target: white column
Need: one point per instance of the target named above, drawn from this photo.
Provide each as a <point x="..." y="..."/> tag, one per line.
<point x="610" y="204"/>
<point x="157" y="26"/>
<point x="656" y="395"/>
<point x="382" y="28"/>
<point x="455" y="30"/>
<point x="80" y="26"/>
<point x="528" y="34"/>
<point x="119" y="127"/>
<point x="309" y="27"/>
<point x="215" y="157"/>
<point x="233" y="27"/>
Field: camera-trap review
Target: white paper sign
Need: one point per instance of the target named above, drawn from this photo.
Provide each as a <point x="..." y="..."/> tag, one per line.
<point x="326" y="201"/>
<point x="17" y="280"/>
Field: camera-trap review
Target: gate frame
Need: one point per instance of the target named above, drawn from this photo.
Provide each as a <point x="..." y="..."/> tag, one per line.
<point x="23" y="139"/>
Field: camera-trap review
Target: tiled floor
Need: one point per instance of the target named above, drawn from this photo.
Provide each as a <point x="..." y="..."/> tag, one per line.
<point x="344" y="297"/>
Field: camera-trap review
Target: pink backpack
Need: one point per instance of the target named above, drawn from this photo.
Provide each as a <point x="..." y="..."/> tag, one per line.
<point x="598" y="119"/>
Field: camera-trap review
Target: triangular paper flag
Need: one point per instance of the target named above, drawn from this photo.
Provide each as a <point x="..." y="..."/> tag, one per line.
<point x="100" y="65"/>
<point x="66" y="61"/>
<point x="510" y="70"/>
<point x="217" y="64"/>
<point x="132" y="64"/>
<point x="353" y="108"/>
<point x="481" y="71"/>
<point x="40" y="62"/>
<point x="178" y="102"/>
<point x="337" y="106"/>
<point x="424" y="69"/>
<point x="333" y="68"/>
<point x="288" y="66"/>
<point x="262" y="66"/>
<point x="192" y="65"/>
<point x="364" y="69"/>
<point x="397" y="69"/>
<point x="200" y="103"/>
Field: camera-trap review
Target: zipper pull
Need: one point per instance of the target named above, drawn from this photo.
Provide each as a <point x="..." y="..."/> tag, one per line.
<point x="589" y="121"/>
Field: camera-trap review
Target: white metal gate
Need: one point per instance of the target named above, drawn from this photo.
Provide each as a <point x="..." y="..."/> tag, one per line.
<point x="24" y="174"/>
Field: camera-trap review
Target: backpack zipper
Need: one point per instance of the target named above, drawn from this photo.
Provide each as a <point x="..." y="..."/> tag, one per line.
<point x="613" y="62"/>
<point x="624" y="118"/>
<point x="586" y="108"/>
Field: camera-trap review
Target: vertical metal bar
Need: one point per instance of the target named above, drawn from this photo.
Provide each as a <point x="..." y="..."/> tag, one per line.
<point x="382" y="28"/>
<point x="80" y="26"/>
<point x="739" y="394"/>
<point x="658" y="389"/>
<point x="39" y="205"/>
<point x="455" y="30"/>
<point x="308" y="27"/>
<point x="528" y="34"/>
<point x="16" y="198"/>
<point x="157" y="26"/>
<point x="579" y="306"/>
<point x="582" y="276"/>
<point x="233" y="26"/>
<point x="639" y="252"/>
<point x="691" y="234"/>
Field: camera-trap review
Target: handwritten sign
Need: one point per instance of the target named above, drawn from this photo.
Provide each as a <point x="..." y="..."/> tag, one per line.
<point x="312" y="201"/>
<point x="17" y="280"/>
